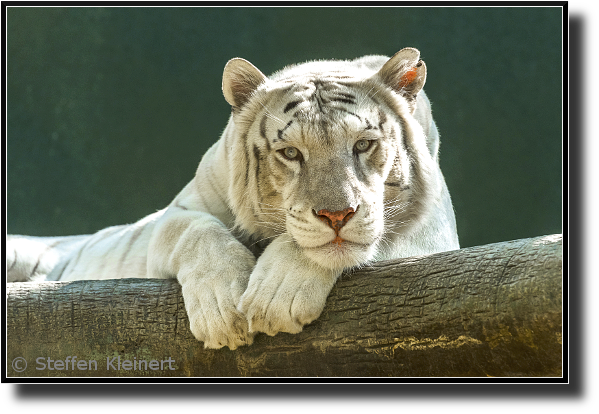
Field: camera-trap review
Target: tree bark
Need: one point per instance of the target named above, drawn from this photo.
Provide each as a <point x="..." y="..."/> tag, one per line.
<point x="493" y="310"/>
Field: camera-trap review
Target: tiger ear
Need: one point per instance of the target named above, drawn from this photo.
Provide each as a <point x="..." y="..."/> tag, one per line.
<point x="405" y="73"/>
<point x="240" y="80"/>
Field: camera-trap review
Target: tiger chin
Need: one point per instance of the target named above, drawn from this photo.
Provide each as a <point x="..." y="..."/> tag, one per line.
<point x="323" y="166"/>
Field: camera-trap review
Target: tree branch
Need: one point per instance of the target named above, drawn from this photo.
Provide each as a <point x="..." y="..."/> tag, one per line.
<point x="492" y="310"/>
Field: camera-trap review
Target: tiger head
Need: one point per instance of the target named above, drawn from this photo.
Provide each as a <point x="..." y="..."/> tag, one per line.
<point x="330" y="153"/>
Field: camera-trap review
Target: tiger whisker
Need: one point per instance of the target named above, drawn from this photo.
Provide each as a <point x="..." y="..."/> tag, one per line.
<point x="265" y="238"/>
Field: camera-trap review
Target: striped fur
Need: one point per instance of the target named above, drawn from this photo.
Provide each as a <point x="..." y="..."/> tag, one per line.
<point x="323" y="166"/>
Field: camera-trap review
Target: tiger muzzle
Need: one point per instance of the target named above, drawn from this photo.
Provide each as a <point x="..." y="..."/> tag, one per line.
<point x="336" y="219"/>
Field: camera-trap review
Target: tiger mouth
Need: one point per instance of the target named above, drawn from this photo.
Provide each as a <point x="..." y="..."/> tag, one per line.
<point x="338" y="242"/>
<point x="341" y="256"/>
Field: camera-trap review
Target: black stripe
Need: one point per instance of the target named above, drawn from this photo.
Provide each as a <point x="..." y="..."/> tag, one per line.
<point x="80" y="252"/>
<point x="399" y="185"/>
<point x="39" y="259"/>
<point x="291" y="105"/>
<point x="280" y="132"/>
<point x="347" y="95"/>
<point x="325" y="85"/>
<point x="414" y="173"/>
<point x="180" y="206"/>
<point x="281" y="164"/>
<point x="263" y="131"/>
<point x="383" y="119"/>
<point x="90" y="242"/>
<point x="344" y="100"/>
<point x="349" y="112"/>
<point x="257" y="157"/>
<point x="130" y="243"/>
<point x="66" y="264"/>
<point x="35" y="267"/>
<point x="298" y="218"/>
<point x="319" y="102"/>
<point x="56" y="243"/>
<point x="263" y="126"/>
<point x="324" y="127"/>
<point x="246" y="160"/>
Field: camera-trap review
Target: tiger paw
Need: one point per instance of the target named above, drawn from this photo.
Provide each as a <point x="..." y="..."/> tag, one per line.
<point x="213" y="316"/>
<point x="285" y="295"/>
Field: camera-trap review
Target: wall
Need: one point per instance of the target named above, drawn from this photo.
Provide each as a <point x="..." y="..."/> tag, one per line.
<point x="110" y="109"/>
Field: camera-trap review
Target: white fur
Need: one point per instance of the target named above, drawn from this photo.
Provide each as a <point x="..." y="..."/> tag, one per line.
<point x="209" y="236"/>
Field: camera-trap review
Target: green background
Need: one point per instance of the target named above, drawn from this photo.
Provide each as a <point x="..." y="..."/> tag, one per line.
<point x="110" y="109"/>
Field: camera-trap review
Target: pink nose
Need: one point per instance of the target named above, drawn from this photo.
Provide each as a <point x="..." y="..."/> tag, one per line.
<point x="336" y="219"/>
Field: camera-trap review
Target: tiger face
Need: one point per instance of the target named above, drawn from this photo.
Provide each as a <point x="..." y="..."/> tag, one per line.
<point x="328" y="164"/>
<point x="332" y="157"/>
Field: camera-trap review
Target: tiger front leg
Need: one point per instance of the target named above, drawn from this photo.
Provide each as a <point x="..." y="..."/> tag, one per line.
<point x="286" y="289"/>
<point x="213" y="269"/>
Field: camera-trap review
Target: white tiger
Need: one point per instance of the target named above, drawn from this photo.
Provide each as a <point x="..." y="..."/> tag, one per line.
<point x="323" y="166"/>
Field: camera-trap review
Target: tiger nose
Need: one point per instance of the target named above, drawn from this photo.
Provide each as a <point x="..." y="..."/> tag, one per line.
<point x="336" y="219"/>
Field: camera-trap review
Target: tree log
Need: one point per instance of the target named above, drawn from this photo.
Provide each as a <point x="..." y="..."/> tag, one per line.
<point x="493" y="310"/>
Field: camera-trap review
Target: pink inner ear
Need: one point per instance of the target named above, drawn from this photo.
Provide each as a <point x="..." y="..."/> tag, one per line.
<point x="408" y="77"/>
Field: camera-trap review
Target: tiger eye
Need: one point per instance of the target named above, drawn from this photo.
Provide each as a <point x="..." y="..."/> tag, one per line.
<point x="291" y="152"/>
<point x="362" y="145"/>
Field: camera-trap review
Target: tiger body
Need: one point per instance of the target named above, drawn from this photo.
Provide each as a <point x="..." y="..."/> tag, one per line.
<point x="324" y="166"/>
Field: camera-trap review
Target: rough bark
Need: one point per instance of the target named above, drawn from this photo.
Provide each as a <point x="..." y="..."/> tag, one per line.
<point x="493" y="310"/>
